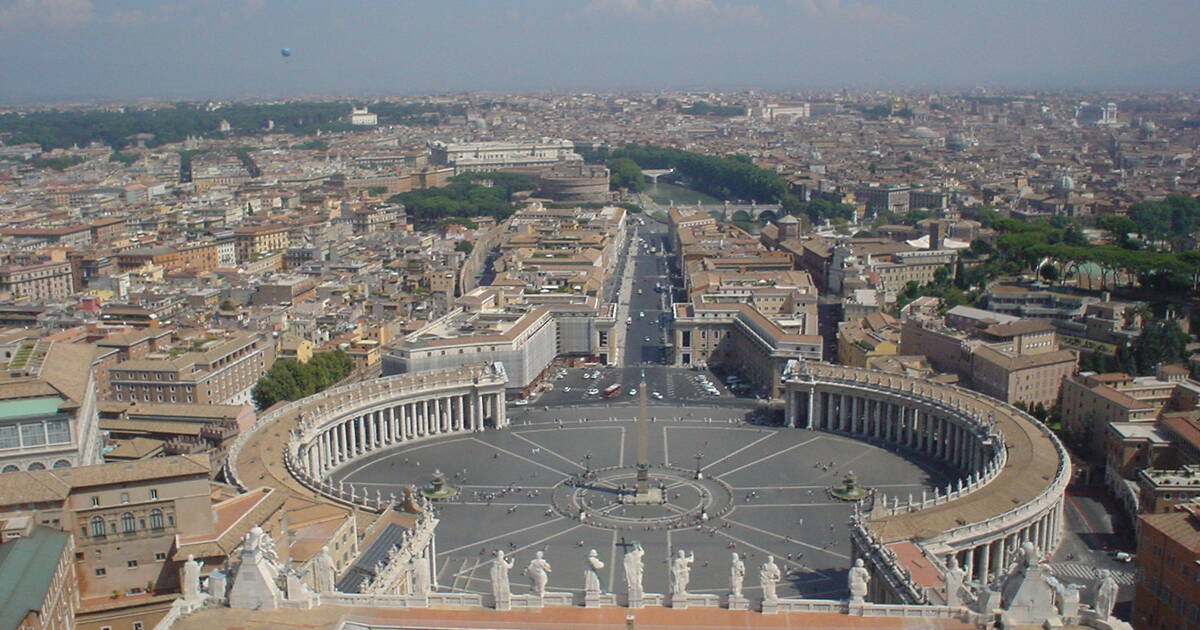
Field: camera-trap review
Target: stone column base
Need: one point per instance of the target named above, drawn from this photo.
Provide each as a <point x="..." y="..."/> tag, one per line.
<point x="738" y="603"/>
<point x="770" y="608"/>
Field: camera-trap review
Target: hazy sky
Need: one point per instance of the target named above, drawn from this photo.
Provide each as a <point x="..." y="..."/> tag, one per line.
<point x="118" y="49"/>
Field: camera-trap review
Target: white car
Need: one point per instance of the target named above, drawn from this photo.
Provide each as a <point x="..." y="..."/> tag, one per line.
<point x="647" y="340"/>
<point x="656" y="395"/>
<point x="633" y="392"/>
<point x="593" y="391"/>
<point x="521" y="402"/>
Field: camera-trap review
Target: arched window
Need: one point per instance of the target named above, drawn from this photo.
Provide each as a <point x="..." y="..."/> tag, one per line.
<point x="97" y="526"/>
<point x="11" y="468"/>
<point x="62" y="463"/>
<point x="127" y="522"/>
<point x="156" y="521"/>
<point x="37" y="466"/>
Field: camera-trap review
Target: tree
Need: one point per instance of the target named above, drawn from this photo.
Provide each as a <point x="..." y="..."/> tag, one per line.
<point x="1118" y="228"/>
<point x="464" y="246"/>
<point x="625" y="173"/>
<point x="289" y="379"/>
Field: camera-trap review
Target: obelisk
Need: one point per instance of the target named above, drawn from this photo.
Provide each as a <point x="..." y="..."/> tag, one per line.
<point x="643" y="445"/>
<point x="643" y="492"/>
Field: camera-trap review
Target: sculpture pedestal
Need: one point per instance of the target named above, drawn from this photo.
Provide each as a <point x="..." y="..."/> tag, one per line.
<point x="503" y="603"/>
<point x="738" y="603"/>
<point x="636" y="600"/>
<point x="770" y="607"/>
<point x="679" y="601"/>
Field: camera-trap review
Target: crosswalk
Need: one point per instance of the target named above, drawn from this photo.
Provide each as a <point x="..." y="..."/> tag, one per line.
<point x="1081" y="571"/>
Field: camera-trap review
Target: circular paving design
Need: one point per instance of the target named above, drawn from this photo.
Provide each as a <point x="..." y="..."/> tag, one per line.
<point x="604" y="498"/>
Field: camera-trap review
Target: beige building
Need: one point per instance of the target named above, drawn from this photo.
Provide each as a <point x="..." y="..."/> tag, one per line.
<point x="1091" y="402"/>
<point x="739" y="337"/>
<point x="124" y="517"/>
<point x="255" y="240"/>
<point x="221" y="370"/>
<point x="876" y="335"/>
<point x="1017" y="361"/>
<point x="37" y="282"/>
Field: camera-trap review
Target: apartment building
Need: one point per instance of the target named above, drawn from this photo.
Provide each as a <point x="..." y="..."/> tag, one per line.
<point x="256" y="240"/>
<point x="41" y="281"/>
<point x="1167" y="593"/>
<point x="217" y="369"/>
<point x="1091" y="402"/>
<point x="876" y="335"/>
<point x="1013" y="361"/>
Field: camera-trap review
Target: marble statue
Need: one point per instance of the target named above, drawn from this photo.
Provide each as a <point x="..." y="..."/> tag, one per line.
<point x="634" y="569"/>
<point x="538" y="573"/>
<point x="1105" y="593"/>
<point x="954" y="578"/>
<point x="501" y="589"/>
<point x="737" y="572"/>
<point x="681" y="573"/>
<point x="191" y="579"/>
<point x="217" y="584"/>
<point x="591" y="574"/>
<point x="420" y="573"/>
<point x="768" y="577"/>
<point x="324" y="571"/>
<point x="858" y="578"/>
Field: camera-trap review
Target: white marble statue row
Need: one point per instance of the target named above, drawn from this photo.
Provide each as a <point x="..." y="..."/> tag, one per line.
<point x="538" y="572"/>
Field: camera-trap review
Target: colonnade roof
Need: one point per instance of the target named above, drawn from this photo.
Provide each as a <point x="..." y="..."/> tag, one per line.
<point x="1032" y="465"/>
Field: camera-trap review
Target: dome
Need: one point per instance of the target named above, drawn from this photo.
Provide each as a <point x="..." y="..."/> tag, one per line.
<point x="787" y="219"/>
<point x="924" y="132"/>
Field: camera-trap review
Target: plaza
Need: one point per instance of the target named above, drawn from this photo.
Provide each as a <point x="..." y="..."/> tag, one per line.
<point x="547" y="483"/>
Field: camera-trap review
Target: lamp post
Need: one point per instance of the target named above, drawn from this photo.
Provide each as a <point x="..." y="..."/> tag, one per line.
<point x="699" y="458"/>
<point x="587" y="465"/>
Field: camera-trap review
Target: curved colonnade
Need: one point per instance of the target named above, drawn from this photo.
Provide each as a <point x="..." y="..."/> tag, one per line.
<point x="329" y="429"/>
<point x="1013" y="474"/>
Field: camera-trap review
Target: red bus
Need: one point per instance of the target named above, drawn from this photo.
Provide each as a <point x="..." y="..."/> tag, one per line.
<point x="611" y="390"/>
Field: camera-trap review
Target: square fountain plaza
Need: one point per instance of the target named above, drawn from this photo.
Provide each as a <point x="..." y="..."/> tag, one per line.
<point x="765" y="491"/>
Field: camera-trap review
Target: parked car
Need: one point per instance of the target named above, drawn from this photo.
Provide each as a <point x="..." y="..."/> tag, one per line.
<point x="593" y="391"/>
<point x="656" y="395"/>
<point x="520" y="402"/>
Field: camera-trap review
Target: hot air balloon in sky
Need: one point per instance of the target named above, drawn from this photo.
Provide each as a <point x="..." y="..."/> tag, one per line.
<point x="286" y="52"/>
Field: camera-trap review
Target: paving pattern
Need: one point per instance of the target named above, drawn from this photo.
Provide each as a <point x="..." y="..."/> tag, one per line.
<point x="766" y="493"/>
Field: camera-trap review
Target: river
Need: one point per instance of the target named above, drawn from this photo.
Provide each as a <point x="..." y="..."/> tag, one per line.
<point x="665" y="193"/>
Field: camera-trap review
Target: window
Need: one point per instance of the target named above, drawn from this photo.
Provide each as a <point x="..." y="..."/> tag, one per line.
<point x="58" y="431"/>
<point x="160" y="556"/>
<point x="127" y="522"/>
<point x="132" y="564"/>
<point x="100" y="572"/>
<point x="156" y="520"/>
<point x="137" y="625"/>
<point x="153" y="493"/>
<point x="95" y="501"/>
<point x="124" y="497"/>
<point x="97" y="524"/>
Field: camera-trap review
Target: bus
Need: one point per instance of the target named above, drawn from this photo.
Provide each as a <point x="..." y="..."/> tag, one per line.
<point x="611" y="390"/>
